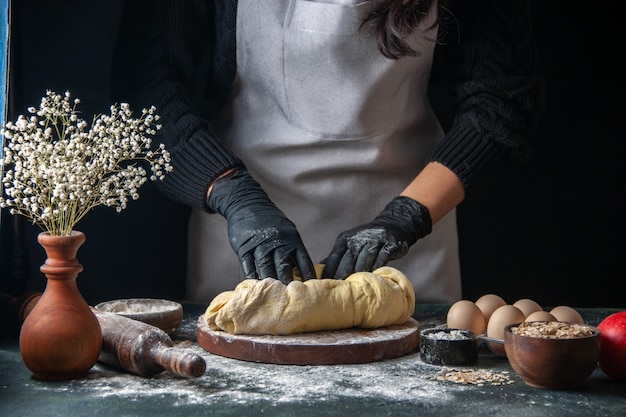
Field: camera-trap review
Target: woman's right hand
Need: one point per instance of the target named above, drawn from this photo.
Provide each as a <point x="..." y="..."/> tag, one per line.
<point x="267" y="242"/>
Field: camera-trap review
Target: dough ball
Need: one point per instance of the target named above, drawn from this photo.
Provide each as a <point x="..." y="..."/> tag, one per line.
<point x="365" y="299"/>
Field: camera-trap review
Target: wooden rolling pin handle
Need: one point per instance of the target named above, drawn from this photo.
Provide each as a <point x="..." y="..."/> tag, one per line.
<point x="181" y="362"/>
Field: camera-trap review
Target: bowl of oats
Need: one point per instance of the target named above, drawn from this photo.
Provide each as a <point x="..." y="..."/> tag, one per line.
<point x="552" y="354"/>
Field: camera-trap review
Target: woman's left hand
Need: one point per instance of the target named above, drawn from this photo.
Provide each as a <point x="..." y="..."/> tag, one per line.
<point x="387" y="237"/>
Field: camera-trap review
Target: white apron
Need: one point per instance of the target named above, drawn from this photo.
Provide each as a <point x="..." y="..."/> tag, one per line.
<point x="332" y="130"/>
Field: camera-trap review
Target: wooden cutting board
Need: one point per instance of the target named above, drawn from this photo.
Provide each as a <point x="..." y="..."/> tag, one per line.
<point x="320" y="348"/>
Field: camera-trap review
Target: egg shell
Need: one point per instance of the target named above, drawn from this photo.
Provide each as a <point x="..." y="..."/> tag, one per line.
<point x="527" y="306"/>
<point x="488" y="303"/>
<point x="540" y="316"/>
<point x="502" y="317"/>
<point x="464" y="314"/>
<point x="567" y="314"/>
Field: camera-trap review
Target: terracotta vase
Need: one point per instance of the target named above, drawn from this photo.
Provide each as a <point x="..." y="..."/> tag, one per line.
<point x="61" y="337"/>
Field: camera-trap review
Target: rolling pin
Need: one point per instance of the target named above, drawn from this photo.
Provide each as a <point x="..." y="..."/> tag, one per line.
<point x="143" y="349"/>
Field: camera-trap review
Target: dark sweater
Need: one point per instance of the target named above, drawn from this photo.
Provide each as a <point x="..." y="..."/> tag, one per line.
<point x="179" y="55"/>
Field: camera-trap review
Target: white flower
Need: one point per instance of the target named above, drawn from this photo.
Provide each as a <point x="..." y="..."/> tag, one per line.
<point x="57" y="168"/>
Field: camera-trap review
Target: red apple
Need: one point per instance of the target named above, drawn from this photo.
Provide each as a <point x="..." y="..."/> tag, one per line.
<point x="613" y="345"/>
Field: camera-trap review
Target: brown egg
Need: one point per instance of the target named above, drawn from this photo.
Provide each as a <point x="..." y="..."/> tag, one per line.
<point x="488" y="303"/>
<point x="567" y="314"/>
<point x="527" y="306"/>
<point x="502" y="317"/>
<point x="540" y="315"/>
<point x="464" y="314"/>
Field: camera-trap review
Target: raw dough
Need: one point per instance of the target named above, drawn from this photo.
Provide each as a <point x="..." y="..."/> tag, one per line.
<point x="365" y="299"/>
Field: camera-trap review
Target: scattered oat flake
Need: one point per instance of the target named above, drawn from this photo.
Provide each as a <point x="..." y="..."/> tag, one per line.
<point x="479" y="377"/>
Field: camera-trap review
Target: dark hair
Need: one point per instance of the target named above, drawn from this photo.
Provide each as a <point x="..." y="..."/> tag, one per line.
<point x="393" y="21"/>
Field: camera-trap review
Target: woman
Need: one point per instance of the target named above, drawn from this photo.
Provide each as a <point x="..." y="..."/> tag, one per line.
<point x="292" y="122"/>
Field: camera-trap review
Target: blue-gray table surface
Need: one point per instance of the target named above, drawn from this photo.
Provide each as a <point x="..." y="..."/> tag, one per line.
<point x="399" y="387"/>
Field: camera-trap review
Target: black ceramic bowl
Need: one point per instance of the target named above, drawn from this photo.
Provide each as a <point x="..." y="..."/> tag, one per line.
<point x="445" y="346"/>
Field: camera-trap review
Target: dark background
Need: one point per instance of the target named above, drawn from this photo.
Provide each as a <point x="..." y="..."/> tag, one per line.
<point x="553" y="231"/>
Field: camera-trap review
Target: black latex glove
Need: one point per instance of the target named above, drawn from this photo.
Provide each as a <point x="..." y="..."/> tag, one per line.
<point x="387" y="237"/>
<point x="266" y="241"/>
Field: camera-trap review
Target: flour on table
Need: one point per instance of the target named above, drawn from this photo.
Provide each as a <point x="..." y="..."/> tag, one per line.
<point x="403" y="380"/>
<point x="244" y="382"/>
